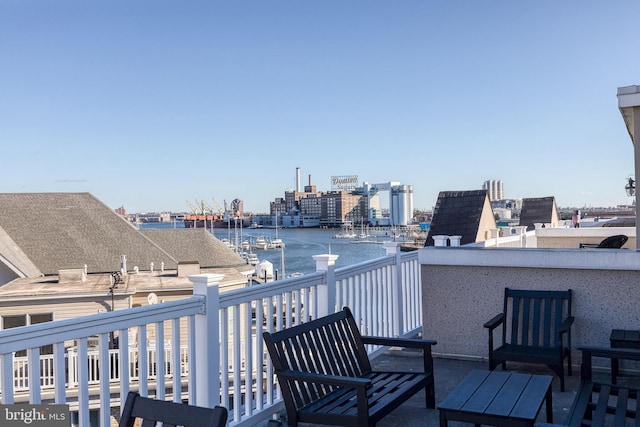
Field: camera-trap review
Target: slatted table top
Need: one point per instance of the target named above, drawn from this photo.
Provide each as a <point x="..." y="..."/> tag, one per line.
<point x="498" y="398"/>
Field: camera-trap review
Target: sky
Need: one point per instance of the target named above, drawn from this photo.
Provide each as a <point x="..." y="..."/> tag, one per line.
<point x="148" y="104"/>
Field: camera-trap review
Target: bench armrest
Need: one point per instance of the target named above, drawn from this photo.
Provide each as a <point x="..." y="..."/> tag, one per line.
<point x="335" y="380"/>
<point x="589" y="352"/>
<point x="566" y="325"/>
<point x="611" y="353"/>
<point x="493" y="323"/>
<point x="425" y="345"/>
<point x="399" y="342"/>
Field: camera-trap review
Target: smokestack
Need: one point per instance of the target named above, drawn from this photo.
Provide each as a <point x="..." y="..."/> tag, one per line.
<point x="309" y="180"/>
<point x="298" y="180"/>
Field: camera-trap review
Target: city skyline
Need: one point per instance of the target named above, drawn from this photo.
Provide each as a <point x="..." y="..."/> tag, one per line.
<point x="149" y="104"/>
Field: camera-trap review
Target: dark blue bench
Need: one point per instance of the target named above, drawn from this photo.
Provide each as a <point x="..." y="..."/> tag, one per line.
<point x="326" y="377"/>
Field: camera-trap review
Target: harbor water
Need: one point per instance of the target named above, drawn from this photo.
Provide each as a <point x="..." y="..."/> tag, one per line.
<point x="301" y="244"/>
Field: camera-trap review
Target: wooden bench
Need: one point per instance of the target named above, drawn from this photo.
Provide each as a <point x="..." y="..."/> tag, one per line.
<point x="622" y="338"/>
<point x="600" y="404"/>
<point x="536" y="328"/>
<point x="326" y="377"/>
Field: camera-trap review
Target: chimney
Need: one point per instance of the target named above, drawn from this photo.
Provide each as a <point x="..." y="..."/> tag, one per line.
<point x="298" y="180"/>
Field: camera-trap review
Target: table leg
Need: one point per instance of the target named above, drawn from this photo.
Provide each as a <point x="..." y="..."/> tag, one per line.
<point x="549" y="400"/>
<point x="443" y="419"/>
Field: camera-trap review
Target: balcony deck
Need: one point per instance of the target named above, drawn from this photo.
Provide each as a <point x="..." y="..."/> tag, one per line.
<point x="401" y="294"/>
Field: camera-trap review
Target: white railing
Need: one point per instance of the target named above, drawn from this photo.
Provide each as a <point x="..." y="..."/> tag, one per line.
<point x="222" y="359"/>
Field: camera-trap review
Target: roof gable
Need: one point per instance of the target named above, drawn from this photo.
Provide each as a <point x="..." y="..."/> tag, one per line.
<point x="460" y="213"/>
<point x="538" y="210"/>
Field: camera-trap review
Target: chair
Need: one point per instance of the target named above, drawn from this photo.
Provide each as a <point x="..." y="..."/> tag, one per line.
<point x="170" y="414"/>
<point x="536" y="328"/>
<point x="611" y="242"/>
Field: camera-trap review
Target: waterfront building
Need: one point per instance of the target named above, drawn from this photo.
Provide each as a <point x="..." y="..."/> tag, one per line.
<point x="342" y="209"/>
<point x="401" y="204"/>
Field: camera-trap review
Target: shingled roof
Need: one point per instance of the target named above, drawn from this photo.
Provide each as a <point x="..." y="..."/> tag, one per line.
<point x="539" y="210"/>
<point x="196" y="244"/>
<point x="42" y="233"/>
<point x="462" y="213"/>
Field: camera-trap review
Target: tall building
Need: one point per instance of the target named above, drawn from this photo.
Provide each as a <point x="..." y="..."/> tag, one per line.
<point x="401" y="204"/>
<point x="494" y="188"/>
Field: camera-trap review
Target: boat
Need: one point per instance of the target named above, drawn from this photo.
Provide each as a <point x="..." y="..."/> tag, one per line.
<point x="277" y="243"/>
<point x="203" y="221"/>
<point x="261" y="243"/>
<point x="252" y="258"/>
<point x="227" y="243"/>
<point x="345" y="234"/>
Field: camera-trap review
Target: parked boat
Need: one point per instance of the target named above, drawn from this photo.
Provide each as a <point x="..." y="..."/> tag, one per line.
<point x="277" y="243"/>
<point x="252" y="258"/>
<point x="261" y="243"/>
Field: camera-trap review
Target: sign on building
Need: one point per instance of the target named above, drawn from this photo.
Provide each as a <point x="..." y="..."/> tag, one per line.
<point x="344" y="183"/>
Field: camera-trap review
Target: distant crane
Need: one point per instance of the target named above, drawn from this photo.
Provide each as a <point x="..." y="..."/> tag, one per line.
<point x="201" y="206"/>
<point x="206" y="205"/>
<point x="220" y="211"/>
<point x="193" y="209"/>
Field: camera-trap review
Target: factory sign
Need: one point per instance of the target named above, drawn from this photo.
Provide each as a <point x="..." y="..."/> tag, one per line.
<point x="344" y="183"/>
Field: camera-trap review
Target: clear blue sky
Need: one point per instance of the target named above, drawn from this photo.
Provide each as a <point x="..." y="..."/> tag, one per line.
<point x="150" y="103"/>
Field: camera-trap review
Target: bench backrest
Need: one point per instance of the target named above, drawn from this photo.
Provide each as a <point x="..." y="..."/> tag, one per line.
<point x="329" y="345"/>
<point x="533" y="318"/>
<point x="145" y="411"/>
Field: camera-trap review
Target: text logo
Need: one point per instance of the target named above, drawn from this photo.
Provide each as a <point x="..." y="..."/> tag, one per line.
<point x="35" y="415"/>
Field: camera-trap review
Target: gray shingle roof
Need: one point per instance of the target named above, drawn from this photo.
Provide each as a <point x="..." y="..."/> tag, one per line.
<point x="196" y="244"/>
<point x="68" y="230"/>
<point x="457" y="213"/>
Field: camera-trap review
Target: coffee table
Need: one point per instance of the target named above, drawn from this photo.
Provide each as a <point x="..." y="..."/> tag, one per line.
<point x="498" y="398"/>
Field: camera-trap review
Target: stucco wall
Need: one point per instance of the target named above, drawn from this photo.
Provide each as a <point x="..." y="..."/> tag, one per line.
<point x="462" y="290"/>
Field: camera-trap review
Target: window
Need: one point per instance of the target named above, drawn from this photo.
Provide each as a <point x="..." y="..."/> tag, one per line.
<point x="9" y="322"/>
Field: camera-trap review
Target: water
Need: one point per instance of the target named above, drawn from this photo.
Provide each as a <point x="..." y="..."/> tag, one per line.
<point x="300" y="245"/>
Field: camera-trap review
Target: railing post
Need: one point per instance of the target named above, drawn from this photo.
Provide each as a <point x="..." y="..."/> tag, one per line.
<point x="393" y="248"/>
<point x="326" y="292"/>
<point x="207" y="335"/>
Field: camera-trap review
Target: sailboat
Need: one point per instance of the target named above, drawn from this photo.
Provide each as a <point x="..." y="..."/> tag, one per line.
<point x="277" y="242"/>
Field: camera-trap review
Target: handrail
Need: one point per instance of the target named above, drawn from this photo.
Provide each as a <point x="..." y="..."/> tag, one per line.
<point x="388" y="308"/>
